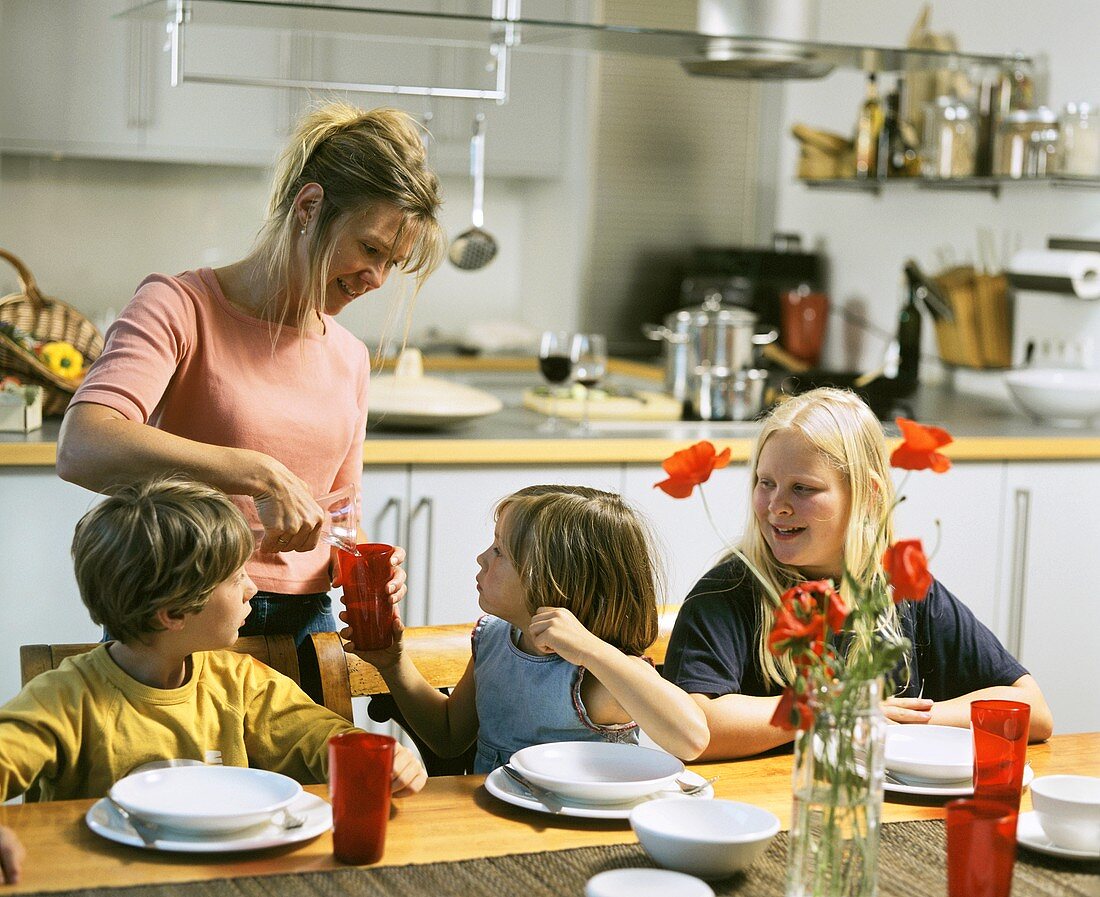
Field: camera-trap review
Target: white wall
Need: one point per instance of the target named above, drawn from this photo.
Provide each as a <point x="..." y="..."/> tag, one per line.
<point x="868" y="238"/>
<point x="90" y="230"/>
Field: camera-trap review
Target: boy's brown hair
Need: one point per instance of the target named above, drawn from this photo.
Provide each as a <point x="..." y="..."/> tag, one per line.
<point x="589" y="552"/>
<point x="163" y="544"/>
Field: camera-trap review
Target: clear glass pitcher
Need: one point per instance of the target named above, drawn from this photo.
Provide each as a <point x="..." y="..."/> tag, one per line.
<point x="341" y="523"/>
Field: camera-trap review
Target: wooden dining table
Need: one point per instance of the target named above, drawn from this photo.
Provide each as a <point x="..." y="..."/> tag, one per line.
<point x="453" y="818"/>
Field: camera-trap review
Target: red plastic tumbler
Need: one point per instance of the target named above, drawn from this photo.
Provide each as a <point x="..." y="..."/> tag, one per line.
<point x="981" y="848"/>
<point x="369" y="609"/>
<point x="1000" y="750"/>
<point x="360" y="766"/>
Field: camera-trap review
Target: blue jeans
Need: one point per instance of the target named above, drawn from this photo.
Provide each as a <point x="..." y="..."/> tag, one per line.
<point x="297" y="615"/>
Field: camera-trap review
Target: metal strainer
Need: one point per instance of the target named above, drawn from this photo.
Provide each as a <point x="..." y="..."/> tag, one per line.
<point x="474" y="248"/>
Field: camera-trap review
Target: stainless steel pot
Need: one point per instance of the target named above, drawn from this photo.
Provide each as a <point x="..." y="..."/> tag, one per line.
<point x="708" y="335"/>
<point x="721" y="394"/>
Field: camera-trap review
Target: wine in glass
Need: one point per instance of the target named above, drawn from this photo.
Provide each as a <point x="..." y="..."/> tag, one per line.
<point x="589" y="366"/>
<point x="556" y="367"/>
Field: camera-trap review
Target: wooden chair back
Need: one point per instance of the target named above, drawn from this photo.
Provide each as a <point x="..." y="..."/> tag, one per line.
<point x="441" y="653"/>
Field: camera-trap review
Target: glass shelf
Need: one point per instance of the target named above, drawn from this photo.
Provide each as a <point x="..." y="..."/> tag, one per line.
<point x="445" y="29"/>
<point x="991" y="185"/>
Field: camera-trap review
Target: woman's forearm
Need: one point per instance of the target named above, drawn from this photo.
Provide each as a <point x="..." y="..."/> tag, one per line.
<point x="956" y="711"/>
<point x="99" y="448"/>
<point x="740" y="726"/>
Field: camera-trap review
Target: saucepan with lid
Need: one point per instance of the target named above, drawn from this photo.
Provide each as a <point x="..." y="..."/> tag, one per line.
<point x="711" y="335"/>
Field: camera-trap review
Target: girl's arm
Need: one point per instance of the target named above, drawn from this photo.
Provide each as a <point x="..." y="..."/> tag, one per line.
<point x="446" y="723"/>
<point x="12" y="855"/>
<point x="956" y="711"/>
<point x="740" y="726"/>
<point x="666" y="712"/>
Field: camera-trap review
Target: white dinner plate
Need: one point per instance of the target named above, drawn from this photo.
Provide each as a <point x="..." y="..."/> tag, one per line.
<point x="106" y="822"/>
<point x="598" y="772"/>
<point x="1031" y="835"/>
<point x="934" y="754"/>
<point x="951" y="789"/>
<point x="500" y="786"/>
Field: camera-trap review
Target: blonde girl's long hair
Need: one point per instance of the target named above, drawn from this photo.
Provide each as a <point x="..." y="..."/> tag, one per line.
<point x="358" y="158"/>
<point x="840" y="426"/>
<point x="589" y="552"/>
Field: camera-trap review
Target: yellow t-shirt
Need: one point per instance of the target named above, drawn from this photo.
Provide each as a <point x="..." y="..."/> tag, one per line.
<point x="82" y="727"/>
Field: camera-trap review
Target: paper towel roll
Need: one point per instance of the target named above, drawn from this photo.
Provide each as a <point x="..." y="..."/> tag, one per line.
<point x="1057" y="271"/>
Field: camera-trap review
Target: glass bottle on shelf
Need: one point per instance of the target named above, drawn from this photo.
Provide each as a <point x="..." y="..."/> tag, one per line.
<point x="898" y="156"/>
<point x="951" y="139"/>
<point x="869" y="131"/>
<point x="1080" y="135"/>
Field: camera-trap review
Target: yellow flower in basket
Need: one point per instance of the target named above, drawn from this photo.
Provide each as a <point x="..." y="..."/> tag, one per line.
<point x="62" y="358"/>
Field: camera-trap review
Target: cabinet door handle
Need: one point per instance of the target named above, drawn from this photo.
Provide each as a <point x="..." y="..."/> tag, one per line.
<point x="395" y="504"/>
<point x="426" y="506"/>
<point x="1018" y="585"/>
<point x="139" y="111"/>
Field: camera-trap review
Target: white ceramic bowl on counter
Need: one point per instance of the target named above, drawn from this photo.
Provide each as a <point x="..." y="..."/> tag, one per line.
<point x="710" y="838"/>
<point x="1059" y="396"/>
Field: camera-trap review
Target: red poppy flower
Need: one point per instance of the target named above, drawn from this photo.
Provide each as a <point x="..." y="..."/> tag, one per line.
<point x="804" y="611"/>
<point x="793" y="711"/>
<point x="918" y="451"/>
<point x="907" y="568"/>
<point x="688" y="468"/>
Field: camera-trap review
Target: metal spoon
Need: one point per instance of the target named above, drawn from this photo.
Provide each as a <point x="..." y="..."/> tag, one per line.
<point x="689" y="788"/>
<point x="475" y="248"/>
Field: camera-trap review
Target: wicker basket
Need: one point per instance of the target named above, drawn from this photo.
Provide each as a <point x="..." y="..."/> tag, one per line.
<point x="47" y="320"/>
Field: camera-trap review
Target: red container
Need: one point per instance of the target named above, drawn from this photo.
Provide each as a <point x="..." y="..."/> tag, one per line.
<point x="360" y="767"/>
<point x="1000" y="750"/>
<point x="981" y="848"/>
<point x="803" y="324"/>
<point x="365" y="579"/>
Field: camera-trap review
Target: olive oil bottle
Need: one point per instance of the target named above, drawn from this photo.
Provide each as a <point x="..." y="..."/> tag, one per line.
<point x="869" y="131"/>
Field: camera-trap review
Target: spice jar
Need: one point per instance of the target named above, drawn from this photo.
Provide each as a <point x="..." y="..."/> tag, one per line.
<point x="1080" y="140"/>
<point x="950" y="139"/>
<point x="1014" y="155"/>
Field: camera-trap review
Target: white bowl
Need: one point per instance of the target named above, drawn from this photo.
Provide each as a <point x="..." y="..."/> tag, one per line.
<point x="709" y="838"/>
<point x="208" y="799"/>
<point x="930" y="753"/>
<point x="597" y="771"/>
<point x="1063" y="397"/>
<point x="1069" y="810"/>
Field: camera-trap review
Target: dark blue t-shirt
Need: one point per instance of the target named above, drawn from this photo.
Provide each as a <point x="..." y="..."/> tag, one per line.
<point x="713" y="647"/>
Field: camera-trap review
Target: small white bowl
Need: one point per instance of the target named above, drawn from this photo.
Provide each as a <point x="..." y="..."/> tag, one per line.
<point x="645" y="883"/>
<point x="1068" y="808"/>
<point x="709" y="838"/>
<point x="1063" y="397"/>
<point x="930" y="753"/>
<point x="206" y="799"/>
<point x="597" y="771"/>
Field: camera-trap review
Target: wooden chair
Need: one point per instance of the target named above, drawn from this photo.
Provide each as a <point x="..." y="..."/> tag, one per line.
<point x="441" y="653"/>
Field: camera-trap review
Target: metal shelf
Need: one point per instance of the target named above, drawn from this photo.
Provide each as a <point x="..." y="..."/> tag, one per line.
<point x="990" y="185"/>
<point x="506" y="28"/>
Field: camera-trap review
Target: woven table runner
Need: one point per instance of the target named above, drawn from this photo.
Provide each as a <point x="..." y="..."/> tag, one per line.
<point x="911" y="864"/>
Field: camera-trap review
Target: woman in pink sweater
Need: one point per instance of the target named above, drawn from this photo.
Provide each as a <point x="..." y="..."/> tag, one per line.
<point x="241" y="378"/>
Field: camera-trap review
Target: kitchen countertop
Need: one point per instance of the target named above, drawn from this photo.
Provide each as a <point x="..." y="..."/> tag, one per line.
<point x="985" y="429"/>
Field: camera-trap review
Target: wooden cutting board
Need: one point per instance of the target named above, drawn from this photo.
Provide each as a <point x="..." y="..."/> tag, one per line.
<point x="641" y="405"/>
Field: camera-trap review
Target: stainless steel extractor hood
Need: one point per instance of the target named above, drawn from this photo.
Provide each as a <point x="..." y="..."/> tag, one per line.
<point x="762" y="39"/>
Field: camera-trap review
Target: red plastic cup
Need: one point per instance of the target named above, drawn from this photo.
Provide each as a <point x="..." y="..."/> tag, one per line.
<point x="1000" y="750"/>
<point x="360" y="766"/>
<point x="981" y="848"/>
<point x="370" y="611"/>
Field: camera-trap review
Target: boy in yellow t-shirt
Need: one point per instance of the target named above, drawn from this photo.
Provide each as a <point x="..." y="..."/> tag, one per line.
<point x="161" y="565"/>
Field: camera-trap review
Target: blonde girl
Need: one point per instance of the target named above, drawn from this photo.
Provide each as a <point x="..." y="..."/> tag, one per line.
<point x="240" y="377"/>
<point x="569" y="586"/>
<point x="822" y="499"/>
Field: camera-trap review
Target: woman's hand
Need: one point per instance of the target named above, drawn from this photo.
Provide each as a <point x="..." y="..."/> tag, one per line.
<point x="907" y="710"/>
<point x="409" y="776"/>
<point x="384" y="658"/>
<point x="12" y="854"/>
<point x="290" y="514"/>
<point x="397" y="587"/>
<point x="555" y="630"/>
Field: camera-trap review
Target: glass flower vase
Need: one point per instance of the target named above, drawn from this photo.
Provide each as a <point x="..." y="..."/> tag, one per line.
<point x="837" y="781"/>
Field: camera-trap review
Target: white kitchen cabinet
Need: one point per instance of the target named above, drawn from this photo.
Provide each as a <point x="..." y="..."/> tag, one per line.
<point x="75" y="80"/>
<point x="39" y="600"/>
<point x="1053" y="615"/>
<point x="968" y="502"/>
<point x="687" y="542"/>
